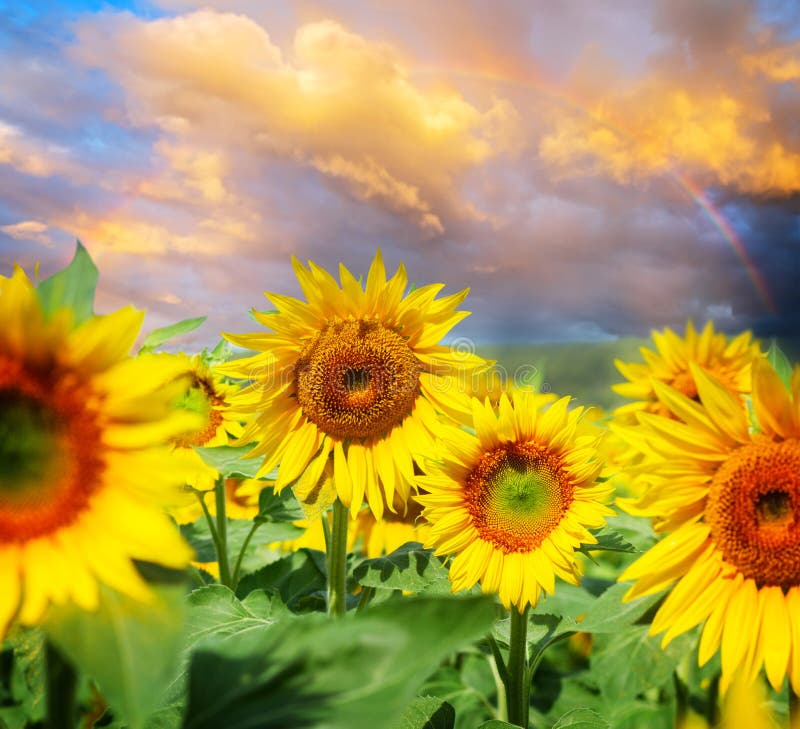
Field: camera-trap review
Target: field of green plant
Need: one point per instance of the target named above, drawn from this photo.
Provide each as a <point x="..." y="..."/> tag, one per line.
<point x="336" y="521"/>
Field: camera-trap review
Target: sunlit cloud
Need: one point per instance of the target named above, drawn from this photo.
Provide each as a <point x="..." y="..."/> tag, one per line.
<point x="221" y="90"/>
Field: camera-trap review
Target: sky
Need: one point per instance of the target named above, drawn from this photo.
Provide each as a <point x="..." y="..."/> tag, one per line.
<point x="590" y="169"/>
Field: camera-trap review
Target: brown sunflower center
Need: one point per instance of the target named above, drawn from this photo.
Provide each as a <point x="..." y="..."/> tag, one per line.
<point x="202" y="398"/>
<point x="357" y="379"/>
<point x="753" y="510"/>
<point x="49" y="461"/>
<point x="517" y="494"/>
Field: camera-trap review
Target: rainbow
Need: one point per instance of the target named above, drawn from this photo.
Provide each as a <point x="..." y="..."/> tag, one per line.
<point x="686" y="185"/>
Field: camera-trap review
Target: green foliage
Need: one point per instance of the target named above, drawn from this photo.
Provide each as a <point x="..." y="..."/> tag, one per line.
<point x="427" y="712"/>
<point x="129" y="648"/>
<point x="409" y="567"/>
<point x="72" y="287"/>
<point x="361" y="671"/>
<point x="299" y="579"/>
<point x="282" y="507"/>
<point x="231" y="461"/>
<point x="164" y="334"/>
<point x="581" y="719"/>
<point x="780" y="363"/>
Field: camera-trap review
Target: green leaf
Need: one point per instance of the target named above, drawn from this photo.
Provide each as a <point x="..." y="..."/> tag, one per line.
<point x="258" y="552"/>
<point x="427" y="712"/>
<point x="628" y="663"/>
<point x="409" y="567"/>
<point x="779" y="362"/>
<point x="159" y="336"/>
<point x="281" y="507"/>
<point x="24" y="682"/>
<point x="543" y="629"/>
<point x="581" y="719"/>
<point x="608" y="540"/>
<point x="298" y="578"/>
<point x="131" y="649"/>
<point x="230" y="461"/>
<point x="608" y="614"/>
<point x="72" y="287"/>
<point x="215" y="610"/>
<point x="359" y="672"/>
<point x="497" y="724"/>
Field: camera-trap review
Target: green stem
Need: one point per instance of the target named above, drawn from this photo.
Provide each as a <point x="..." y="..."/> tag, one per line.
<point x="238" y="566"/>
<point x="498" y="659"/>
<point x="222" y="535"/>
<point x="500" y="679"/>
<point x="62" y="682"/>
<point x="518" y="687"/>
<point x="367" y="594"/>
<point x="337" y="561"/>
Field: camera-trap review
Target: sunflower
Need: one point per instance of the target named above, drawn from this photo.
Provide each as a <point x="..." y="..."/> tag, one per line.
<point x="516" y="499"/>
<point x="729" y="361"/>
<point x="207" y="395"/>
<point x="728" y="493"/>
<point x="353" y="372"/>
<point x="85" y="466"/>
<point x="398" y="526"/>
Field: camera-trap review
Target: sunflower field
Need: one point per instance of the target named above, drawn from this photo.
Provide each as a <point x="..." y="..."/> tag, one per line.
<point x="338" y="520"/>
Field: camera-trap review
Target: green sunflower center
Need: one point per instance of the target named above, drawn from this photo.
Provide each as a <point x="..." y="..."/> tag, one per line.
<point x="522" y="488"/>
<point x="357" y="379"/>
<point x="517" y="494"/>
<point x="50" y="462"/>
<point x="28" y="443"/>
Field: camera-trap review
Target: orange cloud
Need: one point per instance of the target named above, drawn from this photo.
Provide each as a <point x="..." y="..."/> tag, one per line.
<point x="781" y="63"/>
<point x="718" y="128"/>
<point x="225" y="95"/>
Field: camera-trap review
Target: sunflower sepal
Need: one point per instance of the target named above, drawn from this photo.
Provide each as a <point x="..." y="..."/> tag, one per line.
<point x="72" y="288"/>
<point x="162" y="335"/>
<point x="231" y="461"/>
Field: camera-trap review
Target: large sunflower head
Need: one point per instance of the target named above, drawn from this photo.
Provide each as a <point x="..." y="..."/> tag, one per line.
<point x="728" y="492"/>
<point x="356" y="372"/>
<point x="84" y="457"/>
<point x="516" y="499"/>
<point x="729" y="361"/>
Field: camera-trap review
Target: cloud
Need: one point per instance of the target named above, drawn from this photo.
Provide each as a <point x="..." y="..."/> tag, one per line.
<point x="223" y="95"/>
<point x="28" y="230"/>
<point x="707" y="107"/>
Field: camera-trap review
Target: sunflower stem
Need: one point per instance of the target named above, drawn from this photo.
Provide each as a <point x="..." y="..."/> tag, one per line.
<point x="518" y="686"/>
<point x="367" y="593"/>
<point x="222" y="535"/>
<point x="62" y="683"/>
<point x="337" y="561"/>
<point x="238" y="566"/>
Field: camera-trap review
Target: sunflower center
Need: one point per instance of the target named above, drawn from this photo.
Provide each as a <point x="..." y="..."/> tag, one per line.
<point x="753" y="510"/>
<point x="516" y="495"/>
<point x="357" y="379"/>
<point x="28" y="442"/>
<point x="49" y="466"/>
<point x="201" y="398"/>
